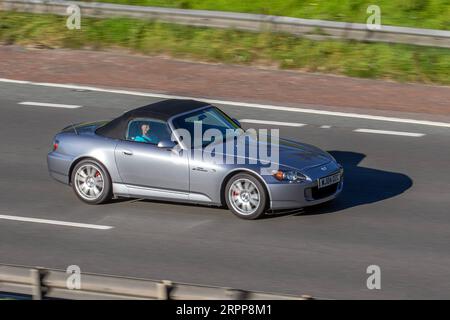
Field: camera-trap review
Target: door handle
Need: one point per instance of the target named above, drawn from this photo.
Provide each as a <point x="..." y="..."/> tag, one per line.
<point x="127" y="152"/>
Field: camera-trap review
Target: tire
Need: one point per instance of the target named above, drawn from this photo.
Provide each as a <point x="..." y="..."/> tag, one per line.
<point x="91" y="182"/>
<point x="246" y="196"/>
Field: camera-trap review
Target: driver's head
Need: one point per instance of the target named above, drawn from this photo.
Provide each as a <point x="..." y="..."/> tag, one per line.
<point x="145" y="128"/>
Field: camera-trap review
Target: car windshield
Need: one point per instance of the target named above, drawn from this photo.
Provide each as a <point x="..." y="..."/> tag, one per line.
<point x="209" y="118"/>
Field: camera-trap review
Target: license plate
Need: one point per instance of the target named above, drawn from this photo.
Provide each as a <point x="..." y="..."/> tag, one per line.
<point x="325" y="182"/>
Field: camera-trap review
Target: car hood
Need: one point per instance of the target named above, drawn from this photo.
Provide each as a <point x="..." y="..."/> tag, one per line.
<point x="292" y="154"/>
<point x="301" y="156"/>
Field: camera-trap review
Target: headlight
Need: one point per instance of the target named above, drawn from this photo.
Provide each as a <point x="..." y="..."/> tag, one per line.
<point x="292" y="176"/>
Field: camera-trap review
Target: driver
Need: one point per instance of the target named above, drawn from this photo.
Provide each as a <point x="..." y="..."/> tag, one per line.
<point x="145" y="136"/>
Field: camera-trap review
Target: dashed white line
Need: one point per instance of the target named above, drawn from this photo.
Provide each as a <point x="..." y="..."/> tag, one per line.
<point x="275" y="123"/>
<point x="395" y="133"/>
<point x="56" y="222"/>
<point x="325" y="127"/>
<point x="51" y="105"/>
<point x="239" y="104"/>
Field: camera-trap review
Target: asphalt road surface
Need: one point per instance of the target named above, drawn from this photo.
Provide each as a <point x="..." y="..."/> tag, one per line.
<point x="394" y="211"/>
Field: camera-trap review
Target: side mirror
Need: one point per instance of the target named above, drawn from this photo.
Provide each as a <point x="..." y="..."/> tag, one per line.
<point x="236" y="121"/>
<point x="166" y="144"/>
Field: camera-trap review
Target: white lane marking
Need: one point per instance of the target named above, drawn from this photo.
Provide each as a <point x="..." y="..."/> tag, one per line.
<point x="395" y="133"/>
<point x="55" y="222"/>
<point x="240" y="104"/>
<point x="276" y="123"/>
<point x="51" y="105"/>
<point x="325" y="127"/>
<point x="15" y="81"/>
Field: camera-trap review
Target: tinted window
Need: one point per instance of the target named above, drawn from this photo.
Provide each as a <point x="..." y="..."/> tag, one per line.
<point x="147" y="131"/>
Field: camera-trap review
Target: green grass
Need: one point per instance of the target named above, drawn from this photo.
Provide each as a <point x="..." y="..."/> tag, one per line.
<point x="367" y="60"/>
<point x="434" y="14"/>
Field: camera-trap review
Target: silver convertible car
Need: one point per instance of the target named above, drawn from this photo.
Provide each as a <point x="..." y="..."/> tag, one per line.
<point x="153" y="152"/>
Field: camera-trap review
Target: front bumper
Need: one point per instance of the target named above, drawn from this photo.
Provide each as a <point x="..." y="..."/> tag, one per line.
<point x="292" y="196"/>
<point x="305" y="194"/>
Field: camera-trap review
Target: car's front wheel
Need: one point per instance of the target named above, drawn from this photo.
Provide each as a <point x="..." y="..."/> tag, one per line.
<point x="246" y="196"/>
<point x="91" y="182"/>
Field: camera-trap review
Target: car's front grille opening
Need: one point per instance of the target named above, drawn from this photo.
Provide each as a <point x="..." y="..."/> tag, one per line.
<point x="316" y="193"/>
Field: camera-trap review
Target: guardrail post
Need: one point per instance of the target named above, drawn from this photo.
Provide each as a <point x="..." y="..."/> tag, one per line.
<point x="163" y="290"/>
<point x="36" y="281"/>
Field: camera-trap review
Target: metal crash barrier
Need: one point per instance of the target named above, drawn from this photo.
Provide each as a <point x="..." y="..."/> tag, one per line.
<point x="42" y="283"/>
<point x="308" y="28"/>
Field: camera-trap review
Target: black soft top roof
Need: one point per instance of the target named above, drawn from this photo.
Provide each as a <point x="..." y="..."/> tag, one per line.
<point x="162" y="110"/>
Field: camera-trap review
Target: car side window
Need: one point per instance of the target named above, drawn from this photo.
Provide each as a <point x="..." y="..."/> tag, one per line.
<point x="147" y="131"/>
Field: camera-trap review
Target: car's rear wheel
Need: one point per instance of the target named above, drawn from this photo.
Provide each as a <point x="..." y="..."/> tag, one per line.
<point x="246" y="196"/>
<point x="91" y="182"/>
